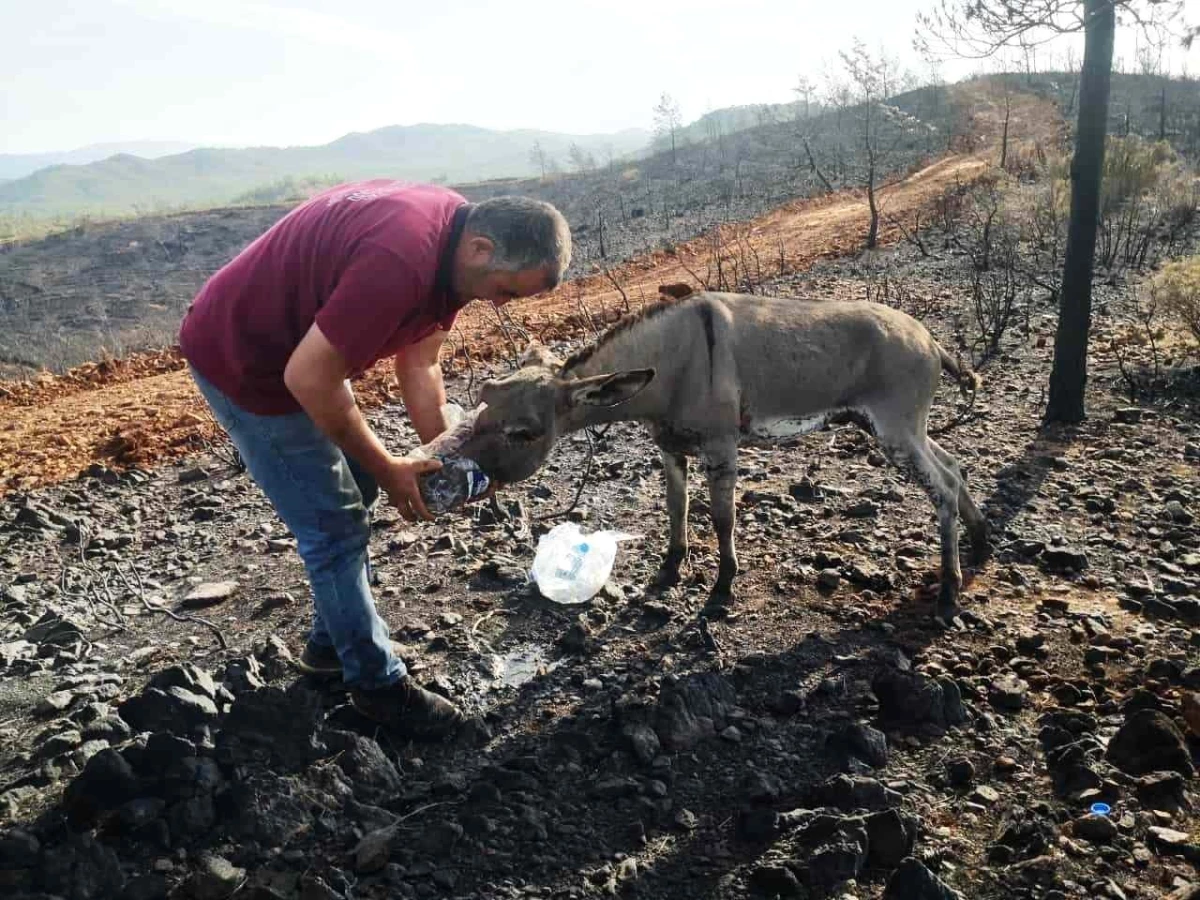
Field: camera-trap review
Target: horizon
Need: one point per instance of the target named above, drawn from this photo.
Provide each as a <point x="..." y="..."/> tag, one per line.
<point x="235" y="75"/>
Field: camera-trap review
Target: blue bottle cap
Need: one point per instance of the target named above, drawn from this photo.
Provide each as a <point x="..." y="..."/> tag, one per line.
<point x="1101" y="809"/>
<point x="583" y="548"/>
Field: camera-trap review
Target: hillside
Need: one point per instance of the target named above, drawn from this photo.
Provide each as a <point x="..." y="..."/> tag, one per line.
<point x="126" y="183"/>
<point x="18" y="165"/>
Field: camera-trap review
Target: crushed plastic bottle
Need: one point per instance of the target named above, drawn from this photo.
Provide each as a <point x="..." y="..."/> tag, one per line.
<point x="459" y="480"/>
<point x="571" y="567"/>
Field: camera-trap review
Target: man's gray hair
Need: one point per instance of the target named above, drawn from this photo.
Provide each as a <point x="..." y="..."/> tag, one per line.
<point x="528" y="234"/>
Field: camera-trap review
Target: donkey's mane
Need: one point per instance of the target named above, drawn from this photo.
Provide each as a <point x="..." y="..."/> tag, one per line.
<point x="624" y="324"/>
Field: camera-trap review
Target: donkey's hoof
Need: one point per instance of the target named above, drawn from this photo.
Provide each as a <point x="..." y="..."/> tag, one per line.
<point x="981" y="548"/>
<point x="666" y="578"/>
<point x="719" y="606"/>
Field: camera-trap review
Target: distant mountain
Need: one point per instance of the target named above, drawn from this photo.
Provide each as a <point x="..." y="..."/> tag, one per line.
<point x="454" y="153"/>
<point x="18" y="165"/>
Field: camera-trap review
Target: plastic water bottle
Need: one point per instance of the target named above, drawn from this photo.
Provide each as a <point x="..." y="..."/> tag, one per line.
<point x="570" y="566"/>
<point x="458" y="481"/>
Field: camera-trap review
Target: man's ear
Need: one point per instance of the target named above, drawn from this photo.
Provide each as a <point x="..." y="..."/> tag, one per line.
<point x="479" y="249"/>
<point x="536" y="354"/>
<point x="607" y="390"/>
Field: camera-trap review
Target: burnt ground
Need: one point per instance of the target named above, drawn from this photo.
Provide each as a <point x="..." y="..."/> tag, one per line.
<point x="826" y="741"/>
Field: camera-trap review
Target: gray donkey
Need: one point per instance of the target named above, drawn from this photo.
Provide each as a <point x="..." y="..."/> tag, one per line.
<point x="713" y="371"/>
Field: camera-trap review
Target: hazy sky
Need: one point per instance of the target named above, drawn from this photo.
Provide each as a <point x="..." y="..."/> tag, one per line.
<point x="280" y="72"/>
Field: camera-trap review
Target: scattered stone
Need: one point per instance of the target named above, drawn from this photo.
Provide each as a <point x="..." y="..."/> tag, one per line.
<point x="985" y="795"/>
<point x="775" y="881"/>
<point x="644" y="741"/>
<point x="52" y="704"/>
<point x="1095" y="829"/>
<point x="105" y="783"/>
<point x="1064" y="559"/>
<point x="216" y="879"/>
<point x="891" y="838"/>
<point x="861" y="742"/>
<point x="1191" y="712"/>
<point x="851" y="792"/>
<point x="829" y="579"/>
<point x="960" y="772"/>
<point x="1008" y="693"/>
<point x="910" y="700"/>
<point x="81" y="868"/>
<point x="1162" y="791"/>
<point x="209" y="594"/>
<point x="912" y="881"/>
<point x="1149" y="742"/>
<point x="173" y="709"/>
<point x="372" y="774"/>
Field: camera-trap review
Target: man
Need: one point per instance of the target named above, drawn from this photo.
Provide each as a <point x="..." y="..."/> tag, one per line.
<point x="356" y="274"/>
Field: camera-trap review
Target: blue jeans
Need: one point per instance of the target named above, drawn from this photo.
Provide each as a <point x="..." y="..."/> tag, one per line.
<point x="323" y="497"/>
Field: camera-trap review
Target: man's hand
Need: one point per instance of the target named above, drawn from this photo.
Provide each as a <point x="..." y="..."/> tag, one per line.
<point x="400" y="481"/>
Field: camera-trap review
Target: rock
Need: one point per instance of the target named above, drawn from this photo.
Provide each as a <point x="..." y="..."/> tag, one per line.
<point x="267" y="809"/>
<point x="775" y="881"/>
<point x="1064" y="559"/>
<point x="891" y="838"/>
<point x="829" y="579"/>
<point x="193" y="475"/>
<point x="694" y="709"/>
<point x="140" y="812"/>
<point x="19" y="849"/>
<point x="81" y="868"/>
<point x="147" y="887"/>
<point x="1177" y="512"/>
<point x="864" y="509"/>
<point x="910" y="700"/>
<point x="1162" y="791"/>
<point x="860" y="741"/>
<point x="985" y="795"/>
<point x="192" y="818"/>
<point x="1170" y="842"/>
<point x="1191" y="712"/>
<point x="851" y="792"/>
<point x="960" y="772"/>
<point x="374" y="850"/>
<point x="52" y="704"/>
<point x="372" y="774"/>
<point x="837" y="861"/>
<point x="643" y="740"/>
<point x="188" y="677"/>
<point x="1128" y="415"/>
<point x="1149" y="742"/>
<point x="243" y="675"/>
<point x="105" y="783"/>
<point x="191" y="776"/>
<point x="54" y="630"/>
<point x="281" y="723"/>
<point x="1008" y="693"/>
<point x="215" y="879"/>
<point x="173" y="709"/>
<point x="209" y="594"/>
<point x="912" y="881"/>
<point x="1095" y="829"/>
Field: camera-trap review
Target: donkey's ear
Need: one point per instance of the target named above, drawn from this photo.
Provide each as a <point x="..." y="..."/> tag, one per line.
<point x="608" y="390"/>
<point x="536" y="354"/>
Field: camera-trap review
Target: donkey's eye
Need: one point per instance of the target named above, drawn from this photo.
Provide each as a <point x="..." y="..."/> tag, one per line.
<point x="521" y="433"/>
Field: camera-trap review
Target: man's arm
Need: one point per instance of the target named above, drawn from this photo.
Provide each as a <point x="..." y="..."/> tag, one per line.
<point x="316" y="376"/>
<point x="420" y="377"/>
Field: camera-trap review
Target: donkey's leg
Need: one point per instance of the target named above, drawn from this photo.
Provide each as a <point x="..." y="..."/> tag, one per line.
<point x="912" y="454"/>
<point x="720" y="466"/>
<point x="675" y="470"/>
<point x="977" y="525"/>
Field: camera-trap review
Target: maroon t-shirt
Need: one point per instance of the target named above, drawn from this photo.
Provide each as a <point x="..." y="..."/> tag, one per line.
<point x="367" y="261"/>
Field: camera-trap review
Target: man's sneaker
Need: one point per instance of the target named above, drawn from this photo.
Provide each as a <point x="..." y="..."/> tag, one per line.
<point x="324" y="662"/>
<point x="409" y="709"/>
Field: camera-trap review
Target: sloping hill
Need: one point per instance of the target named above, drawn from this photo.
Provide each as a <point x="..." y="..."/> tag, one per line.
<point x="125" y="183"/>
<point x="18" y="165"/>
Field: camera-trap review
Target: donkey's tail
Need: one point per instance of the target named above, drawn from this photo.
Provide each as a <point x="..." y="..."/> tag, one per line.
<point x="968" y="383"/>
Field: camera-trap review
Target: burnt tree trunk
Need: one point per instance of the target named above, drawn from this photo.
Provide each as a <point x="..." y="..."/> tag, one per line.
<point x="1068" y="379"/>
<point x="873" y="231"/>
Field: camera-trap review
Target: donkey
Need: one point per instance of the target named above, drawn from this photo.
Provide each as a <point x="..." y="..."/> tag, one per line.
<point x="712" y="371"/>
